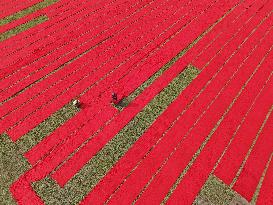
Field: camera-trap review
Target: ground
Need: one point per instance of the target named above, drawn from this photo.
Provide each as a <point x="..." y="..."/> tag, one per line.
<point x="193" y="119"/>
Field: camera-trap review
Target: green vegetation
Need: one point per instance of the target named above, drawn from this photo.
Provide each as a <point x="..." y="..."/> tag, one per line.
<point x="217" y="192"/>
<point x="26" y="11"/>
<point x="105" y="159"/>
<point x="23" y="27"/>
<point x="12" y="165"/>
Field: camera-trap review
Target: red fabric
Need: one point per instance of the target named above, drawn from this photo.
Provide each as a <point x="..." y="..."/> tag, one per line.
<point x="130" y="54"/>
<point x="96" y="195"/>
<point x="88" y="97"/>
<point x="75" y="43"/>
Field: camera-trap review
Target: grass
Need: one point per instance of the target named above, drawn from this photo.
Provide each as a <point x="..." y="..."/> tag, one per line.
<point x="26" y="11"/>
<point x="215" y="191"/>
<point x="104" y="160"/>
<point x="23" y="27"/>
<point x="12" y="165"/>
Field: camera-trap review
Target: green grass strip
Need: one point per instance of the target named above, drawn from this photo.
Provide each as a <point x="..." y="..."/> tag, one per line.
<point x="23" y="27"/>
<point x="26" y="11"/>
<point x="45" y="128"/>
<point x="12" y="165"/>
<point x="215" y="191"/>
<point x="104" y="160"/>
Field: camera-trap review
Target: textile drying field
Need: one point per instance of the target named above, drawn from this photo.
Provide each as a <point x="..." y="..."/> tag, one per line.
<point x="193" y="122"/>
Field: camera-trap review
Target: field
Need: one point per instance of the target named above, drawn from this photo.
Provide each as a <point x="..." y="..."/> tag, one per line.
<point x="192" y="122"/>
